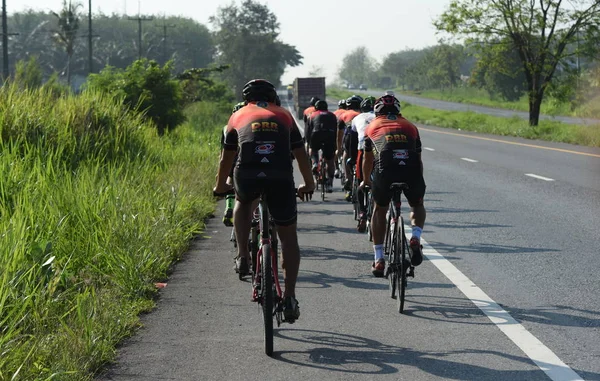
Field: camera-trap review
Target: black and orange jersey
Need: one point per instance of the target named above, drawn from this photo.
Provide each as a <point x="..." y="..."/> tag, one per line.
<point x="321" y="121"/>
<point x="396" y="142"/>
<point x="265" y="135"/>
<point x="338" y="113"/>
<point x="345" y="120"/>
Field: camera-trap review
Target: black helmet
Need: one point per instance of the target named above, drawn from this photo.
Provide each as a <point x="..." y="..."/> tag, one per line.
<point x="277" y="100"/>
<point x="321" y="105"/>
<point x="367" y="104"/>
<point x="259" y="90"/>
<point x="388" y="104"/>
<point x="342" y="104"/>
<point x="353" y="103"/>
<point x="314" y="100"/>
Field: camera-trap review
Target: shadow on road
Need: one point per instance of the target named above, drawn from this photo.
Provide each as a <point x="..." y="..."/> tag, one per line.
<point x="487" y="248"/>
<point x="327" y="253"/>
<point x="464" y="225"/>
<point x="327" y="229"/>
<point x="344" y="353"/>
<point x="440" y="210"/>
<point x="315" y="279"/>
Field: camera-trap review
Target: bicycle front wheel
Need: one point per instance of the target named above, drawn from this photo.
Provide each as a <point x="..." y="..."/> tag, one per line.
<point x="266" y="290"/>
<point x="401" y="278"/>
<point x="390" y="252"/>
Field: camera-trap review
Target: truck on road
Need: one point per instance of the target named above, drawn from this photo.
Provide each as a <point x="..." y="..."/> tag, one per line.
<point x="304" y="90"/>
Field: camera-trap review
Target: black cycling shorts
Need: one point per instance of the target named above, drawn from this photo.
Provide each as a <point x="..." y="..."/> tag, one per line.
<point x="280" y="193"/>
<point x="323" y="140"/>
<point x="351" y="144"/>
<point x="382" y="195"/>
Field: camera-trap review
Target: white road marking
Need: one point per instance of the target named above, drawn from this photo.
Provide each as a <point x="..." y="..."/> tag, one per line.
<point x="428" y="149"/>
<point x="539" y="177"/>
<point x="469" y="160"/>
<point x="541" y="355"/>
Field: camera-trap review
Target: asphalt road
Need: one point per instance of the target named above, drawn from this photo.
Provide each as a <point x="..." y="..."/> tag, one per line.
<point x="509" y="287"/>
<point x="453" y="106"/>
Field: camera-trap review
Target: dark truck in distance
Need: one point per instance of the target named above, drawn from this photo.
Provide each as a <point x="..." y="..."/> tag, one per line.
<point x="304" y="90"/>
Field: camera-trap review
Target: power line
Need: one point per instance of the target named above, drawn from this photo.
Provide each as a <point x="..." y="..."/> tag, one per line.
<point x="139" y="19"/>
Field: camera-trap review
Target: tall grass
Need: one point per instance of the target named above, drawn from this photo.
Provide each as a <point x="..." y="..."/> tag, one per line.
<point x="94" y="208"/>
<point x="548" y="130"/>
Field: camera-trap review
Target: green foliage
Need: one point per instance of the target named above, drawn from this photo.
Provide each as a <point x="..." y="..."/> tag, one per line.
<point x="247" y="40"/>
<point x="145" y="86"/>
<point x="541" y="34"/>
<point x="358" y="67"/>
<point x="28" y="74"/>
<point x="66" y="34"/>
<point x="199" y="85"/>
<point x="88" y="228"/>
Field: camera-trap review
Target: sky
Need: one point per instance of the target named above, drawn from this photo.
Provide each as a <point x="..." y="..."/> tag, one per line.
<point x="323" y="31"/>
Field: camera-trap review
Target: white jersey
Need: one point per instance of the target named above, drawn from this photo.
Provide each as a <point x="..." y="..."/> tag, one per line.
<point x="359" y="125"/>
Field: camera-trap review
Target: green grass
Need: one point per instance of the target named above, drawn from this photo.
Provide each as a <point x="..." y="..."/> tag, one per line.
<point x="546" y="130"/>
<point x="94" y="209"/>
<point x="481" y="97"/>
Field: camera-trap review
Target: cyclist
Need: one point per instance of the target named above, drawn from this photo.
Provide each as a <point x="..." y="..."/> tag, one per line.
<point x="397" y="147"/>
<point x="321" y="132"/>
<point x="359" y="125"/>
<point x="348" y="140"/>
<point x="229" y="200"/>
<point x="309" y="110"/>
<point x="341" y="109"/>
<point x="265" y="135"/>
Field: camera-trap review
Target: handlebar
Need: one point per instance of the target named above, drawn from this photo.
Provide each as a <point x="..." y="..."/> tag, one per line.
<point x="232" y="191"/>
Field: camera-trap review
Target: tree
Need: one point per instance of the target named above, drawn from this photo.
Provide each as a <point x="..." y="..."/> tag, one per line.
<point x="540" y="32"/>
<point x="247" y="40"/>
<point x="358" y="67"/>
<point x="68" y="26"/>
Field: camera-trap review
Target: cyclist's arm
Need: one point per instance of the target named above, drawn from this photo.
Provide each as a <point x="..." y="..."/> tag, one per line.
<point x="367" y="165"/>
<point x="419" y="149"/>
<point x="301" y="156"/>
<point x="227" y="157"/>
<point x="341" y="126"/>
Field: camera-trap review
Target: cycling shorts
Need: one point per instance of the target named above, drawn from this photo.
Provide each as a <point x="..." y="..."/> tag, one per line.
<point x="351" y="144"/>
<point x="382" y="194"/>
<point x="280" y="193"/>
<point x="325" y="141"/>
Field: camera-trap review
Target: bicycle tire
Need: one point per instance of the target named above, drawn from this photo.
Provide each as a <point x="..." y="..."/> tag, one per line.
<point x="254" y="234"/>
<point x="323" y="179"/>
<point x="401" y="279"/>
<point x="266" y="290"/>
<point x="388" y="247"/>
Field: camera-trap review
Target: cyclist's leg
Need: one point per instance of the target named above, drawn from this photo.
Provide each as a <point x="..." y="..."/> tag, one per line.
<point x="229" y="201"/>
<point x="246" y="201"/>
<point x="315" y="143"/>
<point x="281" y="196"/>
<point x="328" y="148"/>
<point x="381" y="197"/>
<point x="415" y="195"/>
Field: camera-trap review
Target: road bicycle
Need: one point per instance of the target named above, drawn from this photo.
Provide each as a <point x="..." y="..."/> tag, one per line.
<point x="369" y="204"/>
<point x="396" y="248"/>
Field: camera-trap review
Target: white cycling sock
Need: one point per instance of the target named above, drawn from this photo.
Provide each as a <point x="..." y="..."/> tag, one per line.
<point x="416" y="232"/>
<point x="378" y="252"/>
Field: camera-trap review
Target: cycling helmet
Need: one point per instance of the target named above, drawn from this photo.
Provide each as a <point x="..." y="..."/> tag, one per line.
<point x="259" y="90"/>
<point x="367" y="104"/>
<point x="353" y="103"/>
<point x="277" y="100"/>
<point x="387" y="104"/>
<point x="342" y="104"/>
<point x="314" y="100"/>
<point x="321" y="105"/>
<point x="238" y="106"/>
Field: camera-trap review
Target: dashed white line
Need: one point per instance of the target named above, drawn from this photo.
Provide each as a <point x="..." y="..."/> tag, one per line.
<point x="428" y="149"/>
<point x="541" y="355"/>
<point x="469" y="160"/>
<point x="539" y="177"/>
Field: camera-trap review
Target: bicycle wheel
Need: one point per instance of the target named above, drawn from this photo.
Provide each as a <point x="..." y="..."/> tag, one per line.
<point x="389" y="252"/>
<point x="266" y="290"/>
<point x="323" y="179"/>
<point x="401" y="279"/>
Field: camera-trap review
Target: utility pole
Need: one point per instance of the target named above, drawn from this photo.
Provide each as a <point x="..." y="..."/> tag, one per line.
<point x="90" y="36"/>
<point x="165" y="26"/>
<point x="139" y="19"/>
<point x="5" y="35"/>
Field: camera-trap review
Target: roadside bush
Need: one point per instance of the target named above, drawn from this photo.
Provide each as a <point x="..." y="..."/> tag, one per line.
<point x="147" y="87"/>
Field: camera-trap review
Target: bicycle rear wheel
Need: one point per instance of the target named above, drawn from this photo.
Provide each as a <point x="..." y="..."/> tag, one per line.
<point x="266" y="290"/>
<point x="323" y="179"/>
<point x="401" y="279"/>
<point x="389" y="251"/>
